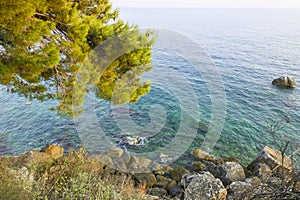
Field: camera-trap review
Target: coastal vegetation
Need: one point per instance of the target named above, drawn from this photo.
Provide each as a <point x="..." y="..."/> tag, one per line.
<point x="47" y="52"/>
<point x="36" y="175"/>
<point x="51" y="174"/>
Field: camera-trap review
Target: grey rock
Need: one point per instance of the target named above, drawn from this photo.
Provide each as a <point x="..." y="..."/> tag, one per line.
<point x="273" y="159"/>
<point x="172" y="183"/>
<point x="161" y="184"/>
<point x="105" y="159"/>
<point x="254" y="180"/>
<point x="125" y="158"/>
<point x="203" y="186"/>
<point x="139" y="164"/>
<point x="262" y="170"/>
<point x="238" y="190"/>
<point x="158" y="192"/>
<point x="229" y="172"/>
<point x="175" y="191"/>
<point x="243" y="189"/>
<point x="115" y="152"/>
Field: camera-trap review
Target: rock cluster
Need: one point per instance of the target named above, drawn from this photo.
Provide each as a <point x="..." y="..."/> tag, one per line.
<point x="208" y="177"/>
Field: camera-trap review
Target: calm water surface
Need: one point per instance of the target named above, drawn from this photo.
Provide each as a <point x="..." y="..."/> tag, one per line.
<point x="249" y="47"/>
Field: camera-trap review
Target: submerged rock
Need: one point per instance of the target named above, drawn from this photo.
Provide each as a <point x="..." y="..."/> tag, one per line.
<point x="285" y="81"/>
<point x="134" y="141"/>
<point x="202" y="155"/>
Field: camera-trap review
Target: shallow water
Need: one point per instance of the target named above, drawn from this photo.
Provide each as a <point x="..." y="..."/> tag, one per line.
<point x="249" y="47"/>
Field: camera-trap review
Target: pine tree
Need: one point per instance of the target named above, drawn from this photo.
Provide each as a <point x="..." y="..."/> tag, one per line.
<point x="43" y="45"/>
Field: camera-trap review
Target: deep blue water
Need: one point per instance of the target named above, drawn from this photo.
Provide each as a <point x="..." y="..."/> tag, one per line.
<point x="250" y="47"/>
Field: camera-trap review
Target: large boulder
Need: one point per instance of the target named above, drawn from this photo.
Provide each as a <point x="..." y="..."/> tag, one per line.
<point x="54" y="151"/>
<point x="203" y="186"/>
<point x="243" y="189"/>
<point x="115" y="158"/>
<point x="229" y="172"/>
<point x="148" y="179"/>
<point x="285" y="81"/>
<point x="262" y="170"/>
<point x="238" y="190"/>
<point x="273" y="159"/>
<point x="115" y="152"/>
<point x="105" y="159"/>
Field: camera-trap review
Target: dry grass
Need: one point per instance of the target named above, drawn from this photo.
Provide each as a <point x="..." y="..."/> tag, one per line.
<point x="74" y="176"/>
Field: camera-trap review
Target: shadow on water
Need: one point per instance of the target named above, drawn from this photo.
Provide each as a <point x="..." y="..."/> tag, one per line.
<point x="4" y="146"/>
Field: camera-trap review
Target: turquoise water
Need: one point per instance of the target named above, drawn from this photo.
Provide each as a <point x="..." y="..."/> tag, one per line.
<point x="249" y="47"/>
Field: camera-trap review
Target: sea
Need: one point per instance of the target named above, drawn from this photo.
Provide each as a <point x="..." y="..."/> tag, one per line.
<point x="247" y="47"/>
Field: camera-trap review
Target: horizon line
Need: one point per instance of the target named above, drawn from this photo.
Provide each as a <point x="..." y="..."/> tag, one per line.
<point x="209" y="7"/>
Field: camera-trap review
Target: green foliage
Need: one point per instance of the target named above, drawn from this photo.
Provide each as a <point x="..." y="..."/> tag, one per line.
<point x="45" y="47"/>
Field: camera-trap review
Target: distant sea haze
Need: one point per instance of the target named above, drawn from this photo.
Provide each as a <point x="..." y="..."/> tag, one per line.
<point x="250" y="47"/>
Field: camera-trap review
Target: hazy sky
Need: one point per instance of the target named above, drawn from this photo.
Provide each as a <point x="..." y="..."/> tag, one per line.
<point x="209" y="3"/>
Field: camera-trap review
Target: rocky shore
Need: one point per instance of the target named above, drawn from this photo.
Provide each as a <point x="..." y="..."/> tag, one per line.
<point x="269" y="176"/>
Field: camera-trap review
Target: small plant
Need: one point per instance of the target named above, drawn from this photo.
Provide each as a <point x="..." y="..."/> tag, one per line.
<point x="281" y="184"/>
